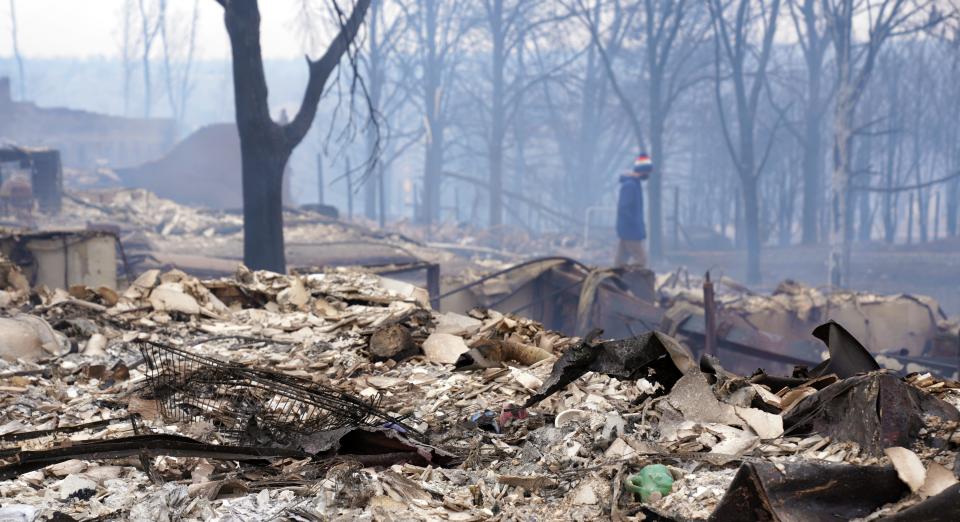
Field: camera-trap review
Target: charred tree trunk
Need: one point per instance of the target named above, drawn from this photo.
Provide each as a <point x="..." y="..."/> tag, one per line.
<point x="265" y="146"/>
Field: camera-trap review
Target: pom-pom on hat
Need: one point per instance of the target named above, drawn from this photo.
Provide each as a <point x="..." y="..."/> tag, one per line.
<point x="643" y="164"/>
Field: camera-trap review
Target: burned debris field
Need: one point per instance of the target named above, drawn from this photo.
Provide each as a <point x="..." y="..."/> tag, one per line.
<point x="459" y="260"/>
<point x="340" y="393"/>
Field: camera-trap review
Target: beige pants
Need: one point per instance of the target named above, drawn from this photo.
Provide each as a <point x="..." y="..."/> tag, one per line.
<point x="630" y="250"/>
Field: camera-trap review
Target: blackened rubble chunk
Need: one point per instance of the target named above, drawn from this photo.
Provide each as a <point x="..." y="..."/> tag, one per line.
<point x="804" y="492"/>
<point x="627" y="360"/>
<point x="392" y="342"/>
<point x="877" y="410"/>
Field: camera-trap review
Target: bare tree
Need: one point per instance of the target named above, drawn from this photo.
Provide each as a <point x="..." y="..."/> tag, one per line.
<point x="21" y="78"/>
<point x="673" y="31"/>
<point x="952" y="50"/>
<point x="176" y="47"/>
<point x="387" y="98"/>
<point x="437" y="27"/>
<point x="812" y="39"/>
<point x="265" y="145"/>
<point x="588" y="131"/>
<point x="150" y="24"/>
<point x="508" y="23"/>
<point x="855" y="62"/>
<point x="736" y="24"/>
<point x="127" y="52"/>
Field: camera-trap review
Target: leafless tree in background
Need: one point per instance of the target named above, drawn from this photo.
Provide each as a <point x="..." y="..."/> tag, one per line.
<point x="587" y="134"/>
<point x="437" y="29"/>
<point x="507" y="24"/>
<point x="21" y="78"/>
<point x="855" y="63"/>
<point x="736" y="26"/>
<point x="673" y="31"/>
<point x="127" y="51"/>
<point x="810" y="27"/>
<point x="387" y="98"/>
<point x="178" y="55"/>
<point x="151" y="20"/>
<point x="952" y="137"/>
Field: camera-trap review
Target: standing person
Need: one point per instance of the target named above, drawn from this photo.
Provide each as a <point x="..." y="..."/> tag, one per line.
<point x="631" y="227"/>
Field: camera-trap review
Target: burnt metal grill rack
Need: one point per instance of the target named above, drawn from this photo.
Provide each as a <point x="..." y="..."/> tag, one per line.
<point x="251" y="406"/>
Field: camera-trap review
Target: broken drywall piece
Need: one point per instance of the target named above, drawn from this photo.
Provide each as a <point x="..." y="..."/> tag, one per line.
<point x="295" y="295"/>
<point x="937" y="480"/>
<point x="908" y="465"/>
<point x="444" y="348"/>
<point x="693" y="396"/>
<point x="96" y="345"/>
<point x="457" y="324"/>
<point x="526" y="379"/>
<point x="170" y="297"/>
<point x="18" y="513"/>
<point x="767" y="396"/>
<point x="735" y="442"/>
<point x="79" y="486"/>
<point x="766" y="425"/>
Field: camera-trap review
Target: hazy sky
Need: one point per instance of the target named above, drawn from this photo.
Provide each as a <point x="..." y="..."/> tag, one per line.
<point x="91" y="28"/>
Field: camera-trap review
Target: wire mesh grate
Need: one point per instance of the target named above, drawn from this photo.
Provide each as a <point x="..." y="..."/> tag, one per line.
<point x="250" y="406"/>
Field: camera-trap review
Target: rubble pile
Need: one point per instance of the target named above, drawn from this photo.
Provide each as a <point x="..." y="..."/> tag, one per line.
<point x="341" y="395"/>
<point x="159" y="233"/>
<point x="904" y="331"/>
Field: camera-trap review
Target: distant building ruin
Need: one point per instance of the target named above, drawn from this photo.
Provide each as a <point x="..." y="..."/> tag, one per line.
<point x="28" y="175"/>
<point x="203" y="169"/>
<point x="86" y="140"/>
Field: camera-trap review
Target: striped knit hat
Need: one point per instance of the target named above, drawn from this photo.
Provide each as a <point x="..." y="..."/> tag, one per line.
<point x="643" y="164"/>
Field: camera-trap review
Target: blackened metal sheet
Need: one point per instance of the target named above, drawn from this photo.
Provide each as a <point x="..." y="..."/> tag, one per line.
<point x="805" y="492"/>
<point x="877" y="410"/>
<point x="847" y="356"/>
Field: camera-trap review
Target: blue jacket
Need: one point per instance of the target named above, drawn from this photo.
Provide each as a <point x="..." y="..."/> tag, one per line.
<point x="630" y="223"/>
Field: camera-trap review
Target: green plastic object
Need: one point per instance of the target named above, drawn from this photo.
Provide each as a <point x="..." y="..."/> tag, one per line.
<point x="652" y="483"/>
